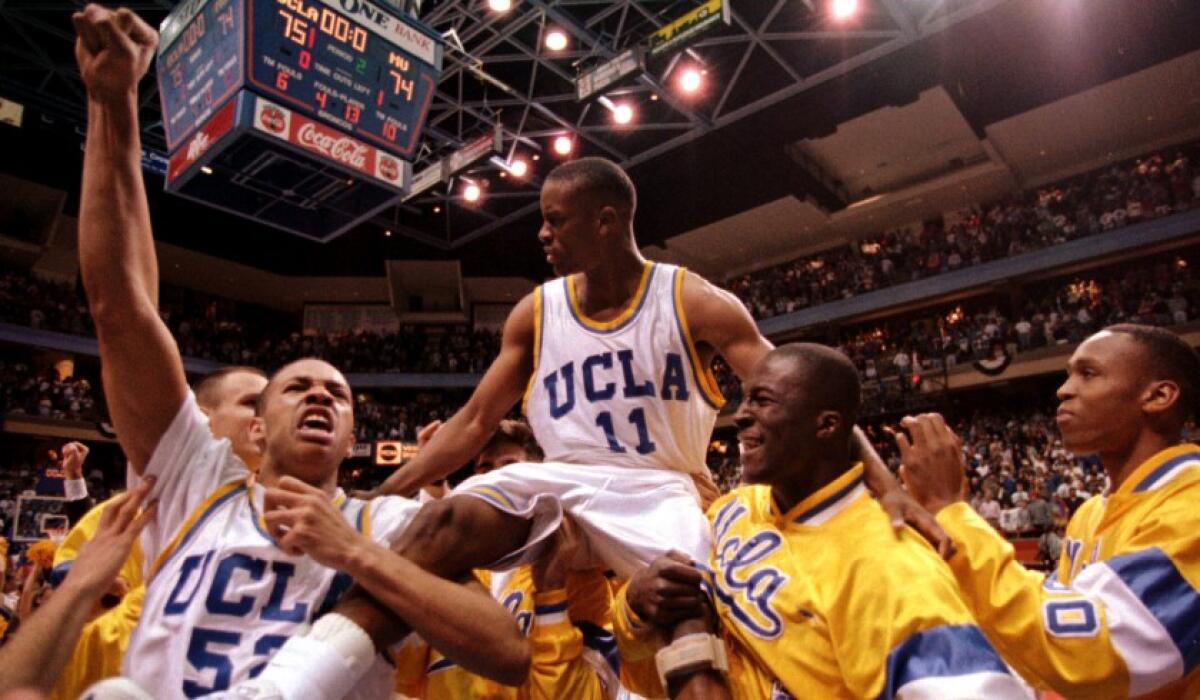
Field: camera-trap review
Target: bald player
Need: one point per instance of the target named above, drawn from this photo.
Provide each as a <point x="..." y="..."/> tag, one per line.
<point x="1120" y="615"/>
<point x="815" y="597"/>
<point x="222" y="594"/>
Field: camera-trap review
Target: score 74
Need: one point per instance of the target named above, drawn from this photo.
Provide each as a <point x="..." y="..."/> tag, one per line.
<point x="400" y="84"/>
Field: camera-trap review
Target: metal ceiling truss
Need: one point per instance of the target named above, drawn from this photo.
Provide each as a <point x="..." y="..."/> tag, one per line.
<point x="498" y="73"/>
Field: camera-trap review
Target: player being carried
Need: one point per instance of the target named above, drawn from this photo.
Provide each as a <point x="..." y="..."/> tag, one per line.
<point x="222" y="595"/>
<point x="612" y="364"/>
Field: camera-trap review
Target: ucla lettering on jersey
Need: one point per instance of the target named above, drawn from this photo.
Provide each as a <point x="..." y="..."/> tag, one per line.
<point x="221" y="597"/>
<point x="626" y="392"/>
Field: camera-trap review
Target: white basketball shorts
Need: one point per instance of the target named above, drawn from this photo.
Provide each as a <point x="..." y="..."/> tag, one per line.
<point x="629" y="517"/>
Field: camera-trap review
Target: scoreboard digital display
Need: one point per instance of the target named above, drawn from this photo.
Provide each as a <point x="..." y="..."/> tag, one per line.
<point x="199" y="64"/>
<point x="350" y="64"/>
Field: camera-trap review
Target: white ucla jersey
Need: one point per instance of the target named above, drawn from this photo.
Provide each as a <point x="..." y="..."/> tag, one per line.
<point x="221" y="597"/>
<point x="627" y="392"/>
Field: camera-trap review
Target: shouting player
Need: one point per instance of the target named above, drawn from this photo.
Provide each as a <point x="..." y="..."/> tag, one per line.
<point x="1120" y="616"/>
<point x="221" y="595"/>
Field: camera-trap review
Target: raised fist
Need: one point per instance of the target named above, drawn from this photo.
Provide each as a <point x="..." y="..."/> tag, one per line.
<point x="73" y="455"/>
<point x="114" y="49"/>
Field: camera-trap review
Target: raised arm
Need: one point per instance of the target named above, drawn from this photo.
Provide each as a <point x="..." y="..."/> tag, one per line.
<point x="461" y="438"/>
<point x="140" y="364"/>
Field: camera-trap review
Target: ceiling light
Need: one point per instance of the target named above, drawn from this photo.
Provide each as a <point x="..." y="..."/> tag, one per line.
<point x="499" y="5"/>
<point x="388" y="233"/>
<point x="843" y="10"/>
<point x="563" y="145"/>
<point x="472" y="192"/>
<point x="690" y="80"/>
<point x="437" y="209"/>
<point x="556" y="40"/>
<point x="518" y="167"/>
<point x="206" y="170"/>
<point x="622" y="114"/>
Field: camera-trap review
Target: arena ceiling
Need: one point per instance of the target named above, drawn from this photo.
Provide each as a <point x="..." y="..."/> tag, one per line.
<point x="781" y="79"/>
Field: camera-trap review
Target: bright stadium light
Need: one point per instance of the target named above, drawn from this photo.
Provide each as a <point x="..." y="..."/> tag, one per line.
<point x="471" y="192"/>
<point x="563" y="145"/>
<point x="556" y="40"/>
<point x="622" y="114"/>
<point x="843" y="10"/>
<point x="499" y="5"/>
<point x="690" y="80"/>
<point x="518" y="167"/>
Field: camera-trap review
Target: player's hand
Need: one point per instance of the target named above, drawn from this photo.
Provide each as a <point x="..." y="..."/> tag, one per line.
<point x="667" y="592"/>
<point x="899" y="505"/>
<point x="933" y="467"/>
<point x="303" y="520"/>
<point x="114" y="49"/>
<point x="100" y="560"/>
<point x="425" y="434"/>
<point x="73" y="456"/>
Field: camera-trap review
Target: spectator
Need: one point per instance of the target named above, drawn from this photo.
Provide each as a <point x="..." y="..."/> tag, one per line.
<point x="1041" y="517"/>
<point x="1050" y="546"/>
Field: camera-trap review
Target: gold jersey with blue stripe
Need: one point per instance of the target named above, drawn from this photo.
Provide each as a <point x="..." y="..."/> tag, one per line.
<point x="828" y="601"/>
<point x="221" y="596"/>
<point x="1120" y="617"/>
<point x="573" y="654"/>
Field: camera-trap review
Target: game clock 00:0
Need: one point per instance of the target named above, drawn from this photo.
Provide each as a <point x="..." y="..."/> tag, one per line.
<point x="340" y="71"/>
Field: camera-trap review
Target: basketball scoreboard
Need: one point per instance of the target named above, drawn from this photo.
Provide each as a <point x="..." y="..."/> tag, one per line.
<point x="345" y="84"/>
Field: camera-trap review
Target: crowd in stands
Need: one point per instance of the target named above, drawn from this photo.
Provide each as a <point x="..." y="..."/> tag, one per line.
<point x="232" y="332"/>
<point x="44" y="393"/>
<point x="891" y="355"/>
<point x="224" y="331"/>
<point x="399" y="418"/>
<point x="1159" y="291"/>
<point x="1102" y="200"/>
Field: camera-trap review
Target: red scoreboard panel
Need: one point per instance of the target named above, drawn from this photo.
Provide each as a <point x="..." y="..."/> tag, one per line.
<point x="349" y="83"/>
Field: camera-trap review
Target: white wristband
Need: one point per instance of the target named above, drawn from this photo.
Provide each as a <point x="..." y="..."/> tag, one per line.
<point x="75" y="489"/>
<point x="691" y="653"/>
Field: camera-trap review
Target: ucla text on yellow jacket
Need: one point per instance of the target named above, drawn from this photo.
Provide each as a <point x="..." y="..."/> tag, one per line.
<point x="827" y="601"/>
<point x="1121" y="616"/>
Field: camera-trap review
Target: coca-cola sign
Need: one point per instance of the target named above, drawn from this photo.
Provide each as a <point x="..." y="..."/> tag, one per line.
<point x="328" y="144"/>
<point x="340" y="148"/>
